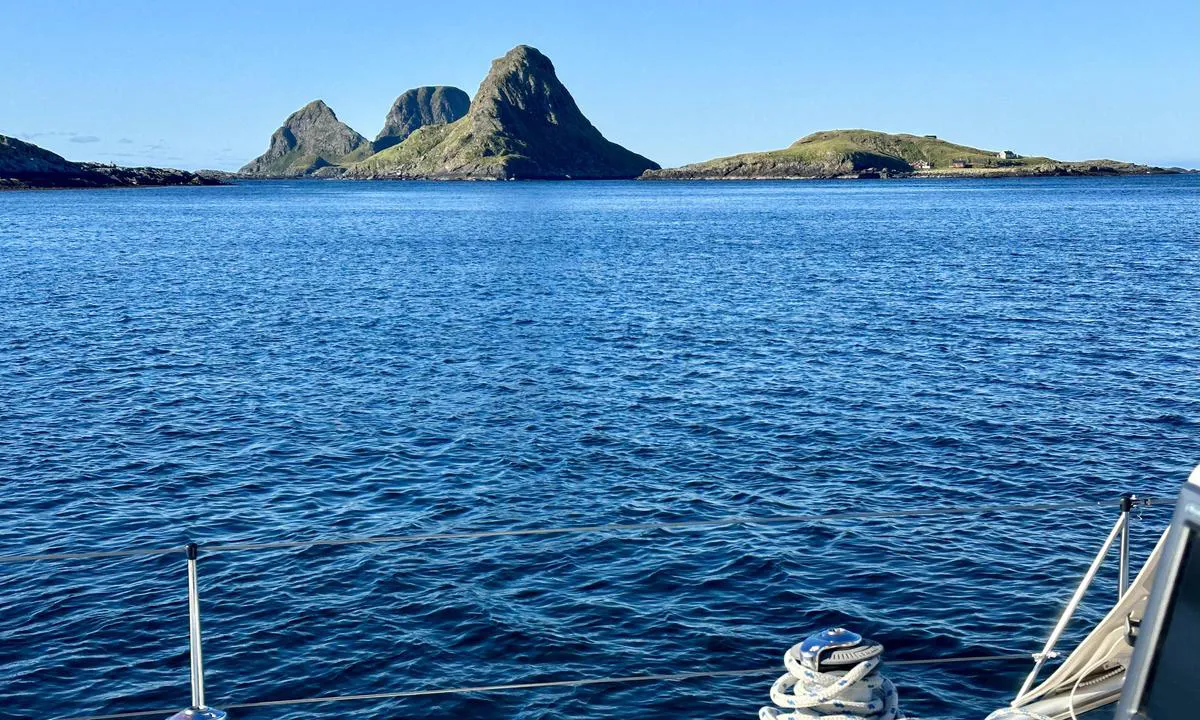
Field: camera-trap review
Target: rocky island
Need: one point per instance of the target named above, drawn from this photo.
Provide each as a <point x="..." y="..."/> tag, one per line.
<point x="25" y="165"/>
<point x="310" y="139"/>
<point x="521" y="124"/>
<point x="868" y="154"/>
<point x="416" y="108"/>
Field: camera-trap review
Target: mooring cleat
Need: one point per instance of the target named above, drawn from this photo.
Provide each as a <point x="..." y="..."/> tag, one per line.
<point x="825" y="642"/>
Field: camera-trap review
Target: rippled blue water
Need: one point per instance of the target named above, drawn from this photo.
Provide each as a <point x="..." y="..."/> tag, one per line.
<point x="298" y="360"/>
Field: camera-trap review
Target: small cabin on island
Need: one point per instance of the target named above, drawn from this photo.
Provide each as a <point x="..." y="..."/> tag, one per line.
<point x="959" y="164"/>
<point x="1006" y="155"/>
<point x="922" y="165"/>
<point x="930" y="137"/>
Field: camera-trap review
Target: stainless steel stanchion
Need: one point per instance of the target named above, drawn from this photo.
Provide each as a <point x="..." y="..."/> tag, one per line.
<point x="1127" y="501"/>
<point x="198" y="710"/>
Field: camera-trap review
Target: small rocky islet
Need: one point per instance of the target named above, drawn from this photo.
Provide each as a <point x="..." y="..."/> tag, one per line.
<point x="523" y="124"/>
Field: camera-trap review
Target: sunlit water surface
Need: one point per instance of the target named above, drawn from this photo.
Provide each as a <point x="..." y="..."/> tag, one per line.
<point x="301" y="360"/>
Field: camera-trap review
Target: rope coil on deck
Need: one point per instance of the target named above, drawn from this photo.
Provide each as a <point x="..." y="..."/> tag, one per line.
<point x="1011" y="713"/>
<point x="853" y="690"/>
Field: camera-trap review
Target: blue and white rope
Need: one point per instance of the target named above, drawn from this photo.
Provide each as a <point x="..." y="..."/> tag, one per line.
<point x="858" y="693"/>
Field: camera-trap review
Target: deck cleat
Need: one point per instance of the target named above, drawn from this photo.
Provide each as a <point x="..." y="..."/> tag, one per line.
<point x="833" y="674"/>
<point x="825" y="643"/>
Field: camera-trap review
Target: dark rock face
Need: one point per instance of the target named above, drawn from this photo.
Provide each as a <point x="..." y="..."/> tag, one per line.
<point x="310" y="138"/>
<point x="775" y="166"/>
<point x="119" y="176"/>
<point x="25" y="165"/>
<point x="21" y="159"/>
<point x="527" y="110"/>
<point x="419" y="107"/>
<point x="522" y="124"/>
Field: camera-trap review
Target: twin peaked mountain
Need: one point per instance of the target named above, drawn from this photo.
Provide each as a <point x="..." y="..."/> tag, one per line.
<point x="522" y="124"/>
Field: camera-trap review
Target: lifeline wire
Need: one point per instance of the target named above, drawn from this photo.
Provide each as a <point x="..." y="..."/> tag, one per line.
<point x="585" y="529"/>
<point x="581" y="682"/>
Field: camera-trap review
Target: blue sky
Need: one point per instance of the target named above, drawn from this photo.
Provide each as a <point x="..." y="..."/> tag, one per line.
<point x="205" y="84"/>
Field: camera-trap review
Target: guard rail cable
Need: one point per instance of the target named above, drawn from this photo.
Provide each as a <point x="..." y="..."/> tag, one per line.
<point x="192" y="551"/>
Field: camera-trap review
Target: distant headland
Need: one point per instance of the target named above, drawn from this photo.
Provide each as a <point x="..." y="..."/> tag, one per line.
<point x="523" y="124"/>
<point x="25" y="166"/>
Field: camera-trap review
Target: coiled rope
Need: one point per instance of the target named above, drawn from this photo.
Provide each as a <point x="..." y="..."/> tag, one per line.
<point x="854" y="692"/>
<point x="1010" y="713"/>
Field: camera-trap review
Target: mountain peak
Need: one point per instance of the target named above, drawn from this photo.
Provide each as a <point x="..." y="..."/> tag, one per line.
<point x="419" y="107"/>
<point x="522" y="123"/>
<point x="313" y="109"/>
<point x="527" y="55"/>
<point x="523" y="86"/>
<point x="524" y="104"/>
<point x="309" y="139"/>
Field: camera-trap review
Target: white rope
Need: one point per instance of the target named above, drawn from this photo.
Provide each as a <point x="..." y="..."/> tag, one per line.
<point x="1012" y="713"/>
<point x="857" y="693"/>
<point x="1083" y="675"/>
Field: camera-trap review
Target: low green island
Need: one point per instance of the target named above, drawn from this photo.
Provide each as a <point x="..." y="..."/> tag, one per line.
<point x="872" y="154"/>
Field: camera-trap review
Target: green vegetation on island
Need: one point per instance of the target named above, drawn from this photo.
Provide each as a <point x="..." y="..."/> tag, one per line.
<point x="522" y="124"/>
<point x="418" y="108"/>
<point x="867" y="153"/>
<point x="310" y="139"/>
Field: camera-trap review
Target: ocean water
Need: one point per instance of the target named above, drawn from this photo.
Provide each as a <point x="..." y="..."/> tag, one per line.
<point x="285" y="361"/>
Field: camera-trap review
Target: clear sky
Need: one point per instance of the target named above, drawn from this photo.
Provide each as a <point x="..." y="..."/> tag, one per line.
<point x="205" y="84"/>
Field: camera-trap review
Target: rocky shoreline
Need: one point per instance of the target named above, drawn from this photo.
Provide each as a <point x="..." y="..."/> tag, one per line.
<point x="25" y="166"/>
<point x="678" y="174"/>
<point x="869" y="154"/>
<point x="669" y="176"/>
